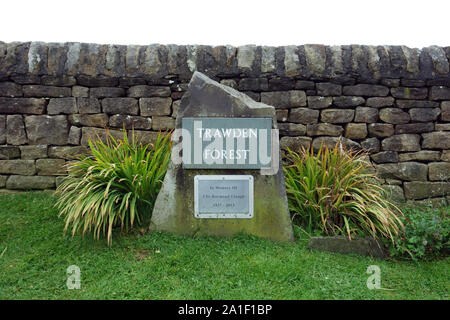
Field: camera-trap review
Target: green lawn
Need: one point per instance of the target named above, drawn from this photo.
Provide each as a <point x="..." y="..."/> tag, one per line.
<point x="34" y="256"/>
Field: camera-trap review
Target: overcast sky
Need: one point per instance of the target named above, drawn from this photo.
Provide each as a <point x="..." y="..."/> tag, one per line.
<point x="236" y="22"/>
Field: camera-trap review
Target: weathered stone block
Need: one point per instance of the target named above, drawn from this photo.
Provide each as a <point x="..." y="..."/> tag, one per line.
<point x="409" y="93"/>
<point x="230" y="83"/>
<point x="33" y="152"/>
<point x="51" y="167"/>
<point x="445" y="155"/>
<point x="316" y="102"/>
<point x="328" y="89"/>
<point x="379" y="102"/>
<point x="394" y="115"/>
<point x="163" y="123"/>
<point x="74" y="135"/>
<point x="436" y="140"/>
<point x="330" y="142"/>
<point x="60" y="81"/>
<point x="304" y="115"/>
<point x="424" y="114"/>
<point x="366" y="115"/>
<point x="88" y="105"/>
<point x="337" y="115"/>
<point x="423" y="155"/>
<point x="324" y="129"/>
<point x="292" y="129"/>
<point x="98" y="134"/>
<point x="410" y="171"/>
<point x="9" y="152"/>
<point x="371" y="145"/>
<point x="176" y="108"/>
<point x="395" y="193"/>
<point x="98" y="81"/>
<point x="120" y="106"/>
<point x="15" y="130"/>
<point x="348" y="101"/>
<point x="440" y="93"/>
<point x="67" y="153"/>
<point x="356" y="131"/>
<point x="155" y="106"/>
<point x="402" y="142"/>
<point x="10" y="89"/>
<point x="3" y="181"/>
<point x="62" y="106"/>
<point x="445" y="107"/>
<point x="89" y="120"/>
<point x="380" y="130"/>
<point x="414" y="128"/>
<point x="439" y="171"/>
<point x="22" y="105"/>
<point x="47" y="129"/>
<point x="253" y="84"/>
<point x="442" y="127"/>
<point x="406" y="104"/>
<point x="39" y="91"/>
<point x="130" y="122"/>
<point x="385" y="157"/>
<point x="368" y="90"/>
<point x="417" y="190"/>
<point x="295" y="143"/>
<point x="2" y="129"/>
<point x="106" y="92"/>
<point x="284" y="99"/>
<point x="18" y="182"/>
<point x="80" y="92"/>
<point x="304" y="85"/>
<point x="22" y="167"/>
<point x="144" y="91"/>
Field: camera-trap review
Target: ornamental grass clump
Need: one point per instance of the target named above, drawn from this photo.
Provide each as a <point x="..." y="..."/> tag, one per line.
<point x="115" y="186"/>
<point x="335" y="192"/>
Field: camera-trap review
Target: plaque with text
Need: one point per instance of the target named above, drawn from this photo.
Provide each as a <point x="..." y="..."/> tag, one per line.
<point x="223" y="196"/>
<point x="227" y="143"/>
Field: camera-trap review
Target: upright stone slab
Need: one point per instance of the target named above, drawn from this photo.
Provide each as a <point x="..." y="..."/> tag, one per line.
<point x="230" y="179"/>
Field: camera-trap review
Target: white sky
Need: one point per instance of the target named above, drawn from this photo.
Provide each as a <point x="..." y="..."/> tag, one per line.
<point x="236" y="22"/>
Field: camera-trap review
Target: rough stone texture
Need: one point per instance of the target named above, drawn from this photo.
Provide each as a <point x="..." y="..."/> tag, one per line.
<point x="89" y="120"/>
<point x="74" y="135"/>
<point x="163" y="123"/>
<point x="294" y="129"/>
<point x="67" y="153"/>
<point x="440" y="93"/>
<point x="319" y="102"/>
<point x="378" y="102"/>
<point x="385" y="157"/>
<point x="324" y="129"/>
<point x="332" y="141"/>
<point x="409" y="93"/>
<point x="174" y="210"/>
<point x="328" y="89"/>
<point x="18" y="182"/>
<point x="47" y="129"/>
<point x="445" y="115"/>
<point x="356" y="130"/>
<point x="367" y="90"/>
<point x="2" y="129"/>
<point x="348" y="101"/>
<point x="410" y="171"/>
<point x="436" y="140"/>
<point x="62" y="106"/>
<point x="424" y="114"/>
<point x="88" y="105"/>
<point x="417" y="190"/>
<point x="295" y="143"/>
<point x="363" y="246"/>
<point x="155" y="106"/>
<point x="423" y="155"/>
<point x="414" y="128"/>
<point x="22" y="167"/>
<point x="15" y="130"/>
<point x="22" y="105"/>
<point x="282" y="99"/>
<point x="402" y="142"/>
<point x="395" y="193"/>
<point x="46" y="91"/>
<point x="366" y="114"/>
<point x="50" y="167"/>
<point x="144" y="91"/>
<point x="337" y="115"/>
<point x="304" y="116"/>
<point x="120" y="106"/>
<point x="439" y="171"/>
<point x="106" y="92"/>
<point x="9" y="152"/>
<point x="394" y="116"/>
<point x="130" y="122"/>
<point x="33" y="152"/>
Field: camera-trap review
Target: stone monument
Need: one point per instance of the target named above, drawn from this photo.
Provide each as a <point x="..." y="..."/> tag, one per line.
<point x="225" y="176"/>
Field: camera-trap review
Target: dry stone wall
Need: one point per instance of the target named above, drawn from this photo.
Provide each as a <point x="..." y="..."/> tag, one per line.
<point x="392" y="101"/>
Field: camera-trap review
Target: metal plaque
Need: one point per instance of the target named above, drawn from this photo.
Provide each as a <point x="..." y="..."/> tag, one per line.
<point x="223" y="196"/>
<point x="227" y="143"/>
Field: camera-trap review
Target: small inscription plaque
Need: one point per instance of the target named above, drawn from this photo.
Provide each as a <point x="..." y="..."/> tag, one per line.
<point x="223" y="196"/>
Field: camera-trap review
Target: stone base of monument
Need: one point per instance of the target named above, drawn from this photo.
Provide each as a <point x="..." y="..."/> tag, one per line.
<point x="361" y="246"/>
<point x="262" y="209"/>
